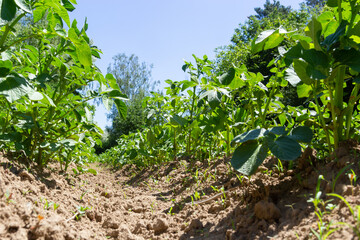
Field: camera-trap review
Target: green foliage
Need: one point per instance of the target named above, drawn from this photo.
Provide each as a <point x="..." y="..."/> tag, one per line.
<point x="44" y="86"/>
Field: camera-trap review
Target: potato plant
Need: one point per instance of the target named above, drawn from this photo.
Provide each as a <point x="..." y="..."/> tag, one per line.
<point x="44" y="84"/>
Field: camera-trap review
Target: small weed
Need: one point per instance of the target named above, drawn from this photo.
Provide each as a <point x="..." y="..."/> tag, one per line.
<point x="8" y="198"/>
<point x="355" y="215"/>
<point x="47" y="204"/>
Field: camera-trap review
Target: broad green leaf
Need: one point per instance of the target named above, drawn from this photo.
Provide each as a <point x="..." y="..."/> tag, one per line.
<point x="108" y="102"/>
<point x="335" y="37"/>
<point x="313" y="30"/>
<point x="285" y="148"/>
<point x="301" y="134"/>
<point x="300" y="68"/>
<point x="177" y="120"/>
<point x="248" y="157"/>
<point x="348" y="57"/>
<point x="23" y="5"/>
<point x="5" y="67"/>
<point x="187" y="84"/>
<point x="14" y="87"/>
<point x="303" y="90"/>
<point x="67" y="5"/>
<point x="116" y="94"/>
<point x="250" y="135"/>
<point x="35" y="96"/>
<point x="112" y="81"/>
<point x="121" y="107"/>
<point x="47" y="100"/>
<point x="332" y="3"/>
<point x="266" y="40"/>
<point x="39" y="13"/>
<point x="214" y="98"/>
<point x="88" y="114"/>
<point x="83" y="52"/>
<point x="8" y="10"/>
<point x="292" y="77"/>
<point x="277" y="130"/>
<point x="77" y="115"/>
<point x="227" y="77"/>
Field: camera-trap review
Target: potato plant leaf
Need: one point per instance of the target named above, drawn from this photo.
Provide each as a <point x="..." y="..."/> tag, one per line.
<point x="250" y="135"/>
<point x="349" y="57"/>
<point x="8" y="10"/>
<point x="292" y="77"/>
<point x="177" y="120"/>
<point x="248" y="157"/>
<point x="300" y="67"/>
<point x="22" y="4"/>
<point x="121" y="107"/>
<point x="267" y="39"/>
<point x="14" y="87"/>
<point x="301" y="134"/>
<point x="5" y="67"/>
<point x="227" y="77"/>
<point x="285" y="148"/>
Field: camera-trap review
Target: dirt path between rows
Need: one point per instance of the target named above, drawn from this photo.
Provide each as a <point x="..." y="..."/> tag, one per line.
<point x="178" y="200"/>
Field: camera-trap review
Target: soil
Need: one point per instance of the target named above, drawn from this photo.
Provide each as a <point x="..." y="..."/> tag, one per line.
<point x="182" y="199"/>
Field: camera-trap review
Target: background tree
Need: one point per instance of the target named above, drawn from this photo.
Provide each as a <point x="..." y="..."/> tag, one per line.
<point x="134" y="80"/>
<point x="273" y="15"/>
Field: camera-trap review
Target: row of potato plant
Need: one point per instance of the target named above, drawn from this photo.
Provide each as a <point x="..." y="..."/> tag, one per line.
<point x="45" y="74"/>
<point x="241" y="113"/>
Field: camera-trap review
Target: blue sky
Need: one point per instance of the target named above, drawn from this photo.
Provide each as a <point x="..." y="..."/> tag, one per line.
<point x="162" y="32"/>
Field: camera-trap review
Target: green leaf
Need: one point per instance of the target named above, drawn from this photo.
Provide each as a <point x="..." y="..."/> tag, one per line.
<point x="112" y="81"/>
<point x="227" y="78"/>
<point x="214" y="98"/>
<point x="35" y="96"/>
<point x="121" y="107"/>
<point x="276" y="130"/>
<point x="301" y="134"/>
<point x="250" y="135"/>
<point x="8" y="10"/>
<point x="285" y="148"/>
<point x="88" y="114"/>
<point x="67" y="5"/>
<point x="22" y="4"/>
<point x="187" y="84"/>
<point x="248" y="157"/>
<point x="335" y="37"/>
<point x="77" y="115"/>
<point x="300" y="67"/>
<point x="83" y="52"/>
<point x="177" y="120"/>
<point x="303" y="90"/>
<point x="266" y="40"/>
<point x="14" y="87"/>
<point x="292" y="77"/>
<point x="116" y="94"/>
<point x="5" y="67"/>
<point x="313" y="30"/>
<point x="349" y="57"/>
<point x="332" y="3"/>
<point x="39" y="13"/>
<point x="108" y="102"/>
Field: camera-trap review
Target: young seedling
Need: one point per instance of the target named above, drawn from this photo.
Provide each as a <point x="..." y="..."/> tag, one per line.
<point x="8" y="198"/>
<point x="355" y="215"/>
<point x="47" y="204"/>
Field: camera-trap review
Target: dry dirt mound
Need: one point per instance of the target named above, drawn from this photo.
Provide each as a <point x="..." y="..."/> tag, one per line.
<point x="178" y="200"/>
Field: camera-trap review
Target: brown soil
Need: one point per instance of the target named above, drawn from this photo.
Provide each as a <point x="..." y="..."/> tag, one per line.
<point x="163" y="202"/>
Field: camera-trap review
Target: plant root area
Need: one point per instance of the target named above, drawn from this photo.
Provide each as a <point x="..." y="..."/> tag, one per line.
<point x="182" y="199"/>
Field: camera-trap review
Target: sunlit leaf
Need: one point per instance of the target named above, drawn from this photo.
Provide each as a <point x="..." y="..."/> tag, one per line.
<point x="285" y="148"/>
<point x="248" y="157"/>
